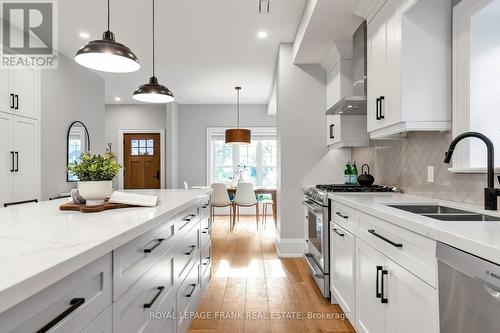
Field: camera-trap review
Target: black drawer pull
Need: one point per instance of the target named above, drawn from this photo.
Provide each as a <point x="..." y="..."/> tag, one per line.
<point x="158" y="293"/>
<point x="75" y="304"/>
<point x="377" y="282"/>
<point x="12" y="167"/>
<point x="382" y="112"/>
<point x="12" y="101"/>
<point x="190" y="293"/>
<point x="17" y="102"/>
<point x="205" y="230"/>
<point x="205" y="206"/>
<point x="383" y="299"/>
<point x="158" y="243"/>
<point x="378" y="109"/>
<point x="189" y="250"/>
<point x="335" y="230"/>
<point x="206" y="261"/>
<point x="398" y="245"/>
<point x="189" y="217"/>
<point x="17" y="161"/>
<point x="342" y="215"/>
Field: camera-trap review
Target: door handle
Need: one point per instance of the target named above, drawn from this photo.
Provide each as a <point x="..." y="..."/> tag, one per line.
<point x="382" y="113"/>
<point x="158" y="293"/>
<point x="332" y="131"/>
<point x="377" y="282"/>
<point x="17" y="161"/>
<point x="17" y="102"/>
<point x="383" y="299"/>
<point x="377" y="109"/>
<point x="12" y="164"/>
<point x="12" y="101"/>
<point x="158" y="174"/>
<point x="151" y="249"/>
<point x="75" y="304"/>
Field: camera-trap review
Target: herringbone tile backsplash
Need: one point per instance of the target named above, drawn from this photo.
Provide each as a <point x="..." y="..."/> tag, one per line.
<point x="403" y="163"/>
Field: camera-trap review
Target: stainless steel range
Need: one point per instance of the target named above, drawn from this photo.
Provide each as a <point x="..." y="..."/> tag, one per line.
<point x="317" y="209"/>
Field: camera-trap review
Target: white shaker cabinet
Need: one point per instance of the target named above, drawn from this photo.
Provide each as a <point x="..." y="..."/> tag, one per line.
<point x="409" y="68"/>
<point x="6" y="99"/>
<point x="342" y="249"/>
<point x="19" y="158"/>
<point x="346" y="131"/>
<point x="20" y="96"/>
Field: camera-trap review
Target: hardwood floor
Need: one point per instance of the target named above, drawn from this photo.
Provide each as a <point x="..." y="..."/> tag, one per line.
<point x="252" y="290"/>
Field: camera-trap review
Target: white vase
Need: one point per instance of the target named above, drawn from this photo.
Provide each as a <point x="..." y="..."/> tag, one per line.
<point x="95" y="193"/>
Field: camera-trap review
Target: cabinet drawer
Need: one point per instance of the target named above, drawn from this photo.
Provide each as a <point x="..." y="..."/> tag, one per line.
<point x="185" y="220"/>
<point x="344" y="216"/>
<point x="67" y="306"/>
<point x="206" y="265"/>
<point x="187" y="250"/>
<point x="188" y="296"/>
<point x="205" y="208"/>
<point x="133" y="259"/>
<point x="205" y="231"/>
<point x="153" y="294"/>
<point x="102" y="324"/>
<point x="414" y="252"/>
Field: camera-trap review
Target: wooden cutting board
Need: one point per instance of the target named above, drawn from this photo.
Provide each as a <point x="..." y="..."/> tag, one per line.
<point x="83" y="208"/>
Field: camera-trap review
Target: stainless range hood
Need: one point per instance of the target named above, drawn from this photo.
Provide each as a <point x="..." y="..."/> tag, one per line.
<point x="355" y="104"/>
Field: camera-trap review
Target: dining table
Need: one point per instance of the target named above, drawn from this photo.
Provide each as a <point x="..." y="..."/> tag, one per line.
<point x="271" y="190"/>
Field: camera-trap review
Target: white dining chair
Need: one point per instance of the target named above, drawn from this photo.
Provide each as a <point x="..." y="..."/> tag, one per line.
<point x="245" y="197"/>
<point x="220" y="199"/>
<point x="186" y="186"/>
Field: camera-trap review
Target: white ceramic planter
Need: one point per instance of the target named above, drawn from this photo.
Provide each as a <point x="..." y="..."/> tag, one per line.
<point x="94" y="193"/>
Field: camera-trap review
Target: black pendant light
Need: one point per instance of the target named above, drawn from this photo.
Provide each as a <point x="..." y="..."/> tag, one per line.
<point x="107" y="55"/>
<point x="238" y="136"/>
<point x="153" y="92"/>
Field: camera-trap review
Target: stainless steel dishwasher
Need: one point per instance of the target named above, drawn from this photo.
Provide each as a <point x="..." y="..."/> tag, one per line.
<point x="469" y="292"/>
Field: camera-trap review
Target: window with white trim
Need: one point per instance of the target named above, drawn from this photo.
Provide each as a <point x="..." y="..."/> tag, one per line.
<point x="257" y="162"/>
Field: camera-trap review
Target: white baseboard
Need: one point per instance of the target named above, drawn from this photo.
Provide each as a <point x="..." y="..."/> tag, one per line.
<point x="290" y="247"/>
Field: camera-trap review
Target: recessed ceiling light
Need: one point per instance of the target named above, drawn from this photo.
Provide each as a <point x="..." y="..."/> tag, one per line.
<point x="262" y="34"/>
<point x="84" y="35"/>
<point x="118" y="99"/>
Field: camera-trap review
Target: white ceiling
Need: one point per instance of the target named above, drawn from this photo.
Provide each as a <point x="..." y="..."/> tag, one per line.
<point x="204" y="47"/>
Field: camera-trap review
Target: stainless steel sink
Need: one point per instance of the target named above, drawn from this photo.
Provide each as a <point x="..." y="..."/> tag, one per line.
<point x="443" y="213"/>
<point x="429" y="209"/>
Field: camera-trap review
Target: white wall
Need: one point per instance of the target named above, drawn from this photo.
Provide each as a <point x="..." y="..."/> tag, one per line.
<point x="193" y="121"/>
<point x="303" y="156"/>
<point x="172" y="145"/>
<point x="68" y="93"/>
<point x="133" y="117"/>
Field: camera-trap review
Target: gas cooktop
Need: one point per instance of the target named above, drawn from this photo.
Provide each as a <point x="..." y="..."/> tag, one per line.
<point x="319" y="193"/>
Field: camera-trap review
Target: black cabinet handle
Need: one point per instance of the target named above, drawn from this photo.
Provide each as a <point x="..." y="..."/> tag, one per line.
<point x="17" y="161"/>
<point x="382" y="113"/>
<point x="190" y="293"/>
<point x="75" y="303"/>
<point x="205" y="230"/>
<point x="189" y="217"/>
<point x="189" y="250"/>
<point x="12" y="101"/>
<point x="17" y="102"/>
<point x="377" y="109"/>
<point x="332" y="131"/>
<point x="342" y="215"/>
<point x="378" y="294"/>
<point x="374" y="233"/>
<point x="12" y="167"/>
<point x="335" y="230"/>
<point x="158" y="293"/>
<point x="205" y="206"/>
<point x="158" y="243"/>
<point x="206" y="261"/>
<point x="383" y="299"/>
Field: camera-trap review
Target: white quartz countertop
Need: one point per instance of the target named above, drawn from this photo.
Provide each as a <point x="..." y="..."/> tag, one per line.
<point x="479" y="238"/>
<point x="40" y="244"/>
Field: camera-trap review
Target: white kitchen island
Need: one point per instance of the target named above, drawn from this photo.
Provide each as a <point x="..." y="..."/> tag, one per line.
<point x="125" y="263"/>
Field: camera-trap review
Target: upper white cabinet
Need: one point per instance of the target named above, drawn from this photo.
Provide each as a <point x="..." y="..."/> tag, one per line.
<point x="20" y="92"/>
<point x="409" y="68"/>
<point x="346" y="131"/>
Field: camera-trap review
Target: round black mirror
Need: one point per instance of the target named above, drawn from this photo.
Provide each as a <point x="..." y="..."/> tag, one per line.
<point x="77" y="142"/>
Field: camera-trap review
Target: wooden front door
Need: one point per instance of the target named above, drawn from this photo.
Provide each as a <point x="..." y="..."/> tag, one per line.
<point x="142" y="161"/>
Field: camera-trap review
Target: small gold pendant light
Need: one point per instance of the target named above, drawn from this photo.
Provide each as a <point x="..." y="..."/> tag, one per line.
<point x="238" y="136"/>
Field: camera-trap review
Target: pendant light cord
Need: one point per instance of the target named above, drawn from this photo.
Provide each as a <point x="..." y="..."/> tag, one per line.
<point x="238" y="106"/>
<point x="108" y="15"/>
<point x="153" y="37"/>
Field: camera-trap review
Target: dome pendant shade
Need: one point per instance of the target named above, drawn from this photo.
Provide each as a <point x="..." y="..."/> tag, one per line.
<point x="238" y="136"/>
<point x="153" y="92"/>
<point x="106" y="55"/>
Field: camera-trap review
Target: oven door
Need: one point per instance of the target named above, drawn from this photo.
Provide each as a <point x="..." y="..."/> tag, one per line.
<point x="316" y="243"/>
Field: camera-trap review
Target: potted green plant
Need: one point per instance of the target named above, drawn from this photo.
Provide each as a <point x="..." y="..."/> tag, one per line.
<point x="95" y="174"/>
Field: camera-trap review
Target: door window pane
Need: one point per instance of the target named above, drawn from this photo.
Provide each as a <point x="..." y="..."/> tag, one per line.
<point x="142" y="147"/>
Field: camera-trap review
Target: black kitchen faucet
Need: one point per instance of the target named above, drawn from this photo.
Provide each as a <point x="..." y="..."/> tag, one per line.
<point x="490" y="193"/>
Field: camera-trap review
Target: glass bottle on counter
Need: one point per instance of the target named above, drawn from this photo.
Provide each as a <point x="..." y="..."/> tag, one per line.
<point x="347" y="173"/>
<point x="354" y="173"/>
